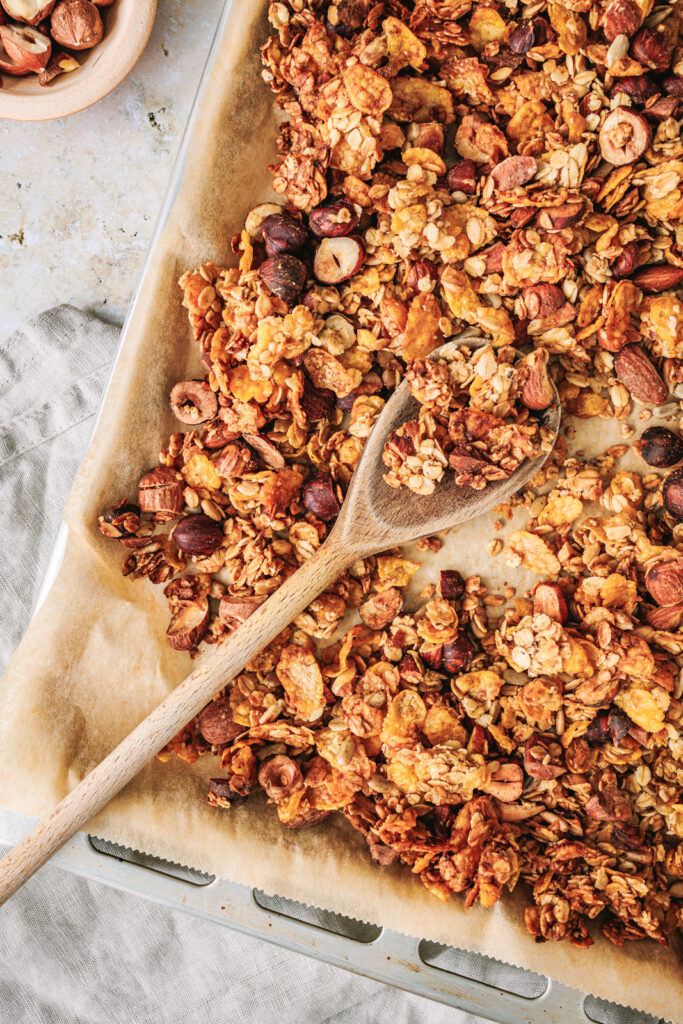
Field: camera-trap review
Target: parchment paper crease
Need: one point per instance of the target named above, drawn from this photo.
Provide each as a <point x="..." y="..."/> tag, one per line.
<point x="95" y="659"/>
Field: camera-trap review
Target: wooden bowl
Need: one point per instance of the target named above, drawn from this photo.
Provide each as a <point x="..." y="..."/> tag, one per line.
<point x="127" y="27"/>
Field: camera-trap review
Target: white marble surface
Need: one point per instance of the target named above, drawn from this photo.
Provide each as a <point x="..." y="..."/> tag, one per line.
<point x="79" y="196"/>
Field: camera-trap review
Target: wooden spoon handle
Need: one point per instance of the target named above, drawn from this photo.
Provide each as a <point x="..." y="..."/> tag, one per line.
<point x="133" y="753"/>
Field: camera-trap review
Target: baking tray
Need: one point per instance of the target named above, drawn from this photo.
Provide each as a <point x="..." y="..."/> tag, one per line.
<point x="467" y="981"/>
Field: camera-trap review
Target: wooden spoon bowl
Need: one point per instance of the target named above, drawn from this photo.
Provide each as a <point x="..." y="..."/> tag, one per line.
<point x="391" y="515"/>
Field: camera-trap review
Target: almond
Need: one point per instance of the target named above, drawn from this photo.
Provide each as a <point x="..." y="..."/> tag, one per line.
<point x="537" y="390"/>
<point x="513" y="172"/>
<point x="658" y="278"/>
<point x="161" y="491"/>
<point x="636" y="372"/>
<point x="664" y="581"/>
<point x="188" y="625"/>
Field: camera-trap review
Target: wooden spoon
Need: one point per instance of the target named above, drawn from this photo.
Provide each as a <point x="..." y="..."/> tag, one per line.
<point x="374" y="517"/>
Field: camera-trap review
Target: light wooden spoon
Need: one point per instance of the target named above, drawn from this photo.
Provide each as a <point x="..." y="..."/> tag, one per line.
<point x="374" y="517"/>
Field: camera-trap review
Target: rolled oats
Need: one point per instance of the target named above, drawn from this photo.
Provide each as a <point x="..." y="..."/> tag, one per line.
<point x="481" y="739"/>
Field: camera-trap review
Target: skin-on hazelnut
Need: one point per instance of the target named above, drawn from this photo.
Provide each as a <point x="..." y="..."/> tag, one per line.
<point x="76" y="24"/>
<point x="31" y="12"/>
<point x="26" y="47"/>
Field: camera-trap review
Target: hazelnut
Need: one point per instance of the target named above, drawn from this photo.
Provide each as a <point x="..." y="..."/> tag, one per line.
<point x="76" y="24"/>
<point x="432" y="656"/>
<point x="451" y="584"/>
<point x="338" y="258"/>
<point x="627" y="261"/>
<point x="660" y="447"/>
<point x="493" y="257"/>
<point x="280" y="776"/>
<point x="285" y="276"/>
<point x="541" y="300"/>
<point x="319" y="497"/>
<point x="198" y="535"/>
<point x="254" y="222"/>
<point x="556" y="218"/>
<point x="650" y="50"/>
<point x="317" y="403"/>
<point x="217" y="434"/>
<point x="422" y="276"/>
<point x="30" y="12"/>
<point x="161" y="491"/>
<point x="543" y="758"/>
<point x="221" y="794"/>
<point x="28" y="48"/>
<point x="60" y="63"/>
<point x="624" y="137"/>
<point x="638" y="88"/>
<point x="462" y="177"/>
<point x="188" y="625"/>
<point x="663" y="108"/>
<point x="457" y="654"/>
<point x="506" y="783"/>
<point x="664" y="582"/>
<point x="333" y="218"/>
<point x="673" y="85"/>
<point x="283" y="233"/>
<point x="193" y="402"/>
<point x="672" y="494"/>
<point x="216" y="722"/>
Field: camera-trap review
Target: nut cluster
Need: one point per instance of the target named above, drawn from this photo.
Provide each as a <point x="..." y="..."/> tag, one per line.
<point x="40" y="36"/>
<point x="517" y="168"/>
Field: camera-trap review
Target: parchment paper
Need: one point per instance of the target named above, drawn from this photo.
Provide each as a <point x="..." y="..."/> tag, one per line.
<point x="95" y="659"/>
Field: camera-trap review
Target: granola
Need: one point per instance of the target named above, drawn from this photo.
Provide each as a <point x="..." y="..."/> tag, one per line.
<point x="474" y="418"/>
<point x="447" y="164"/>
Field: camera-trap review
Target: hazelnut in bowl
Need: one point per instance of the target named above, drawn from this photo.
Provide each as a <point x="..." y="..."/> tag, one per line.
<point x="60" y="56"/>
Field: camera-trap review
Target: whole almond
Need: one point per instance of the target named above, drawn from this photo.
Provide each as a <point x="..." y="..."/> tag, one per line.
<point x="658" y="278"/>
<point x="664" y="581"/>
<point x="636" y="372"/>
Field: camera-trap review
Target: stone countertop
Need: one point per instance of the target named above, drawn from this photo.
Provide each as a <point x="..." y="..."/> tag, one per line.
<point x="79" y="196"/>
